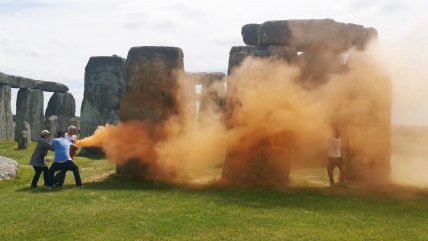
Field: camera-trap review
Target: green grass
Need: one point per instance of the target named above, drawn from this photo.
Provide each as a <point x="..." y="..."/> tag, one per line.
<point x="111" y="208"/>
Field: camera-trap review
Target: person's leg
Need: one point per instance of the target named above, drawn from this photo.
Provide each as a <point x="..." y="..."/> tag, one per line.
<point x="45" y="175"/>
<point x="342" y="176"/>
<point x="60" y="178"/>
<point x="36" y="177"/>
<point x="330" y="168"/>
<point x="73" y="167"/>
<point x="54" y="167"/>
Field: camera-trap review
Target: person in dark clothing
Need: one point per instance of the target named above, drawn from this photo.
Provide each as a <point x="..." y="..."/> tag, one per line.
<point x="62" y="159"/>
<point x="38" y="158"/>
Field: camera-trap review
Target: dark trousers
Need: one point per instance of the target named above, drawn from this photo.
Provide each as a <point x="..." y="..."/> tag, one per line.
<point x="36" y="177"/>
<point x="64" y="166"/>
<point x="60" y="178"/>
<point x="336" y="162"/>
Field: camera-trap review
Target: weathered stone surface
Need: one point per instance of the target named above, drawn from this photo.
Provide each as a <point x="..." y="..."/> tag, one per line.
<point x="315" y="34"/>
<point x="104" y="83"/>
<point x="238" y="54"/>
<point x="316" y="67"/>
<point x="29" y="108"/>
<point x="22" y="82"/>
<point x="62" y="105"/>
<point x="75" y="121"/>
<point x="250" y="34"/>
<point x="263" y="159"/>
<point x="8" y="168"/>
<point x="50" y="86"/>
<point x="151" y="75"/>
<point x="189" y="97"/>
<point x="213" y="91"/>
<point x="210" y="82"/>
<point x="198" y="78"/>
<point x="52" y="125"/>
<point x="17" y="81"/>
<point x="6" y="117"/>
<point x="24" y="138"/>
<point x="22" y="143"/>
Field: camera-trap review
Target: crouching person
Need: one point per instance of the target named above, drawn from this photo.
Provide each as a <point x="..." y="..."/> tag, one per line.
<point x="62" y="159"/>
<point x="71" y="137"/>
<point x="38" y="158"/>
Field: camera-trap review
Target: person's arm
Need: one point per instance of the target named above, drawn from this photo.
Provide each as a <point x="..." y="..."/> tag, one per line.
<point x="74" y="146"/>
<point x="49" y="146"/>
<point x="52" y="145"/>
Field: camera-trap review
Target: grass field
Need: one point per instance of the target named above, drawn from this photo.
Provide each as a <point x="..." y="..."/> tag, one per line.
<point x="110" y="208"/>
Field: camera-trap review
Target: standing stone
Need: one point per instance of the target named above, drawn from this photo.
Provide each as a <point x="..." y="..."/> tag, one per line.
<point x="75" y="121"/>
<point x="52" y="125"/>
<point x="263" y="159"/>
<point x="321" y="44"/>
<point x="238" y="54"/>
<point x="62" y="105"/>
<point x="151" y="75"/>
<point x="250" y="34"/>
<point x="190" y="98"/>
<point x="213" y="92"/>
<point x="24" y="138"/>
<point x="316" y="67"/>
<point x="6" y="117"/>
<point x="104" y="82"/>
<point x="22" y="141"/>
<point x="29" y="108"/>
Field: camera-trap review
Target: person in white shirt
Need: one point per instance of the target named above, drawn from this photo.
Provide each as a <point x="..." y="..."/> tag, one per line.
<point x="71" y="134"/>
<point x="335" y="159"/>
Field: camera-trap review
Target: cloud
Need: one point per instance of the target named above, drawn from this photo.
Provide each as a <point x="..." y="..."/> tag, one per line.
<point x="374" y="7"/>
<point x="135" y="20"/>
<point x="5" y="38"/>
<point x="53" y="40"/>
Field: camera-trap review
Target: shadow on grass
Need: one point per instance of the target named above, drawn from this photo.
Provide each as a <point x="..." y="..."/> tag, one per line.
<point x="268" y="196"/>
<point x="263" y="197"/>
<point x="92" y="153"/>
<point x="42" y="189"/>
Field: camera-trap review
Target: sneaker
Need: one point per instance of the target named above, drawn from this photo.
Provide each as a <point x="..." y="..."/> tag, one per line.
<point x="343" y="184"/>
<point x="81" y="186"/>
<point x="49" y="187"/>
<point x="33" y="186"/>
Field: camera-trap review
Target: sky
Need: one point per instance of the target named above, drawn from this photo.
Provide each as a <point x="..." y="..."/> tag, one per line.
<point x="53" y="39"/>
